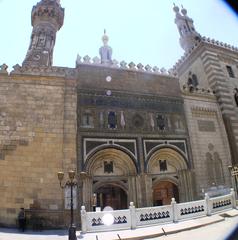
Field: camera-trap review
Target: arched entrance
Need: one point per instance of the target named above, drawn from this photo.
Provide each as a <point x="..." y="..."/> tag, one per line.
<point x="170" y="176"/>
<point x="112" y="196"/>
<point x="163" y="192"/>
<point x="111" y="176"/>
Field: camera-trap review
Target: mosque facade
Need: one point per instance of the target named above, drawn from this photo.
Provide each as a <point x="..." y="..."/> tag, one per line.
<point x="132" y="133"/>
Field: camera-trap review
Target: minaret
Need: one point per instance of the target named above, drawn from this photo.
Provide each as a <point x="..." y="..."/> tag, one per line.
<point x="47" y="18"/>
<point x="188" y="34"/>
<point x="105" y="51"/>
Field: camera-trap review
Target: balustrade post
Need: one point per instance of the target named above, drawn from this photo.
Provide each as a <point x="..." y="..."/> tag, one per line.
<point x="132" y="215"/>
<point x="174" y="210"/>
<point x="233" y="198"/>
<point x="208" y="205"/>
<point x="83" y="220"/>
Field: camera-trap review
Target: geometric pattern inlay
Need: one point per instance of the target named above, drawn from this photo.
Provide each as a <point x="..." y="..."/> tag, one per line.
<point x="154" y="216"/>
<point x="117" y="220"/>
<point x="150" y="144"/>
<point x="192" y="210"/>
<point x="90" y="144"/>
<point x="221" y="203"/>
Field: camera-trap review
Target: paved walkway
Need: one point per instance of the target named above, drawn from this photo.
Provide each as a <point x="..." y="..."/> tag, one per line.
<point x="140" y="233"/>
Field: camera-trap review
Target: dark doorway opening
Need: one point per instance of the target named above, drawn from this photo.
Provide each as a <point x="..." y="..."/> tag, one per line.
<point x="111" y="196"/>
<point x="163" y="192"/>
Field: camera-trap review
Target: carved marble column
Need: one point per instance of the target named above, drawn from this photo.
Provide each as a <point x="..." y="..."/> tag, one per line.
<point x="132" y="190"/>
<point x="87" y="192"/>
<point x="186" y="185"/>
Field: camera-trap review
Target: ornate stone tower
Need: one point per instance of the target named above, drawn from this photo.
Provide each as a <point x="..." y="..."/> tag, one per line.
<point x="47" y="18"/>
<point x="188" y="34"/>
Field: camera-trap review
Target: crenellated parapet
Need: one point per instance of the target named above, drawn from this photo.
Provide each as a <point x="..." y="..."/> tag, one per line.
<point x="124" y="65"/>
<point x="220" y="44"/>
<point x="45" y="71"/>
<point x="3" y="69"/>
<point x="206" y="40"/>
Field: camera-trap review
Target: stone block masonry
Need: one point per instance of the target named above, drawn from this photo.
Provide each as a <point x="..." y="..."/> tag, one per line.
<point x="33" y="131"/>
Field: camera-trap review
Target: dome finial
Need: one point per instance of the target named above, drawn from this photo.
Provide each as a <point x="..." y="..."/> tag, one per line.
<point x="105" y="38"/>
<point x="183" y="10"/>
<point x="105" y="51"/>
<point x="176" y="8"/>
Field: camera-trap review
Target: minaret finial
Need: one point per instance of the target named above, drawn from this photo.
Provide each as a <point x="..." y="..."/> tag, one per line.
<point x="105" y="38"/>
<point x="176" y="9"/>
<point x="188" y="34"/>
<point x="105" y="51"/>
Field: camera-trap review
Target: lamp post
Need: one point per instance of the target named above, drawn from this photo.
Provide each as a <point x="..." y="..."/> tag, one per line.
<point x="71" y="183"/>
<point x="234" y="177"/>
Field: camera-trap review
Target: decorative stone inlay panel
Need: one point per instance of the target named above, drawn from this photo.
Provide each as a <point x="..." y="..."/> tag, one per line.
<point x="202" y="111"/>
<point x="153" y="215"/>
<point x="92" y="144"/>
<point x="220" y="203"/>
<point x="121" y="218"/>
<point x="151" y="144"/>
<point x="206" y="126"/>
<point x="191" y="209"/>
<point x="133" y="102"/>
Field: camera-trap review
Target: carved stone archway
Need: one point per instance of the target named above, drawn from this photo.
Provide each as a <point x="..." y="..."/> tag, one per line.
<point x="110" y="170"/>
<point x="168" y="165"/>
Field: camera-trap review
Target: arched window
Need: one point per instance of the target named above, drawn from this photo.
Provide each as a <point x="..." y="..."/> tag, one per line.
<point x="230" y="71"/>
<point x="192" y="81"/>
<point x="236" y="96"/>
<point x="112" y="120"/>
<point x="87" y="119"/>
<point x="161" y="122"/>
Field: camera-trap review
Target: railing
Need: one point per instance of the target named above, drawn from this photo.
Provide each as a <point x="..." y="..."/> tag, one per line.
<point x="191" y="209"/>
<point x="220" y="203"/>
<point x="153" y="215"/>
<point x="94" y="221"/>
<point x="138" y="217"/>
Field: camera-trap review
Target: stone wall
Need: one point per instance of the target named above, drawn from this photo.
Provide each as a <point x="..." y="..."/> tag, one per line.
<point x="94" y="77"/>
<point x="208" y="140"/>
<point x="37" y="139"/>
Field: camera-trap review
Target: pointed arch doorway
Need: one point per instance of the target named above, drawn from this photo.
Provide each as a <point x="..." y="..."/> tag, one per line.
<point x="170" y="176"/>
<point x="112" y="178"/>
<point x="163" y="192"/>
<point x="110" y="195"/>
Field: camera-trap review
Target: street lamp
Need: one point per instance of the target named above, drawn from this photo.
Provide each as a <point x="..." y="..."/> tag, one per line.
<point x="234" y="177"/>
<point x="71" y="183"/>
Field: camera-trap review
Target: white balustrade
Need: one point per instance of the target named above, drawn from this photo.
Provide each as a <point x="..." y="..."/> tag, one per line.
<point x="191" y="209"/>
<point x="100" y="221"/>
<point x="221" y="203"/>
<point x="138" y="217"/>
<point x="153" y="215"/>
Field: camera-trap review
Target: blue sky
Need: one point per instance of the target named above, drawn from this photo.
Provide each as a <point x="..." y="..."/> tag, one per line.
<point x="139" y="30"/>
